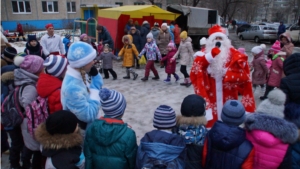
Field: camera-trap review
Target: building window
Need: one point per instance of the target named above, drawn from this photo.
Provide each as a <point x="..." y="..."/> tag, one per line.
<point x="21" y="6"/>
<point x="119" y="3"/>
<point x="158" y="4"/>
<point x="71" y="7"/>
<point x="139" y="3"/>
<point x="50" y="6"/>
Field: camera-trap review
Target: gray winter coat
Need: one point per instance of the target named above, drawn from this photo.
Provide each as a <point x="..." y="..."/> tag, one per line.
<point x="28" y="95"/>
<point x="107" y="59"/>
<point x="163" y="40"/>
<point x="259" y="76"/>
<point x="155" y="32"/>
<point x="186" y="52"/>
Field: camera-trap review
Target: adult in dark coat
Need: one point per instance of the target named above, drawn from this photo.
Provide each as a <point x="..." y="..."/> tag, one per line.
<point x="104" y="36"/>
<point x="137" y="41"/>
<point x="145" y="29"/>
<point x="281" y="29"/>
<point x="290" y="84"/>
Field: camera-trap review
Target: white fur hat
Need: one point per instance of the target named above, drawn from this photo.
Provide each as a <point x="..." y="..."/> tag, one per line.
<point x="258" y="49"/>
<point x="274" y="105"/>
<point x="203" y="41"/>
<point x="145" y="22"/>
<point x="164" y="24"/>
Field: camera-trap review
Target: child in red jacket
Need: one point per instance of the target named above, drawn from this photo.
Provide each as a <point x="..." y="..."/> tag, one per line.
<point x="49" y="83"/>
<point x="171" y="65"/>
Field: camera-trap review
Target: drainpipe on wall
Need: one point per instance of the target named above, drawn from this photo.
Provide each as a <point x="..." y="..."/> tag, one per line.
<point x="37" y="12"/>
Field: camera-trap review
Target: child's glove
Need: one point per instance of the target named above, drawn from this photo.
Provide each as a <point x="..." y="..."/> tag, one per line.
<point x="172" y="60"/>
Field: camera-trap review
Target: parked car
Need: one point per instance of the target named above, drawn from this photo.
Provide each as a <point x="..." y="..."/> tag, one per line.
<point x="242" y="28"/>
<point x="259" y="33"/>
<point x="294" y="31"/>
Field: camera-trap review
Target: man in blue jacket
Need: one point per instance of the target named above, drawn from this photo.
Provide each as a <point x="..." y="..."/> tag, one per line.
<point x="281" y="29"/>
<point x="104" y="36"/>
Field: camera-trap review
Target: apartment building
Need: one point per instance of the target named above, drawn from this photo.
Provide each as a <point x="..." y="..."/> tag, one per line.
<point x="35" y="14"/>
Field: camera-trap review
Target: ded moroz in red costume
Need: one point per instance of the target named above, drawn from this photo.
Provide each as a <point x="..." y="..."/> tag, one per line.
<point x="220" y="74"/>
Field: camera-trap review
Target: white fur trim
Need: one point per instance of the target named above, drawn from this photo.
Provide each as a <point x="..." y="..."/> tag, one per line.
<point x="209" y="57"/>
<point x="94" y="94"/>
<point x="209" y="115"/>
<point x="74" y="73"/>
<point x="219" y="95"/>
<point x="84" y="61"/>
<point x="281" y="53"/>
<point x="217" y="34"/>
<point x="263" y="46"/>
<point x="199" y="53"/>
<point x="203" y="41"/>
<point x="18" y="60"/>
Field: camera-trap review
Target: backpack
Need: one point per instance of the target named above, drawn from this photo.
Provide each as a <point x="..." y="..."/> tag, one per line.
<point x="11" y="110"/>
<point x="36" y="113"/>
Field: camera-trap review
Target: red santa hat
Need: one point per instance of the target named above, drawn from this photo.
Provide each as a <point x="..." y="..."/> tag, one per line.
<point x="216" y="29"/>
<point x="49" y="25"/>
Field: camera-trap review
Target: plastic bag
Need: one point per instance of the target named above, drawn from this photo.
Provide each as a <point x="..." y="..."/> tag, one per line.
<point x="142" y="61"/>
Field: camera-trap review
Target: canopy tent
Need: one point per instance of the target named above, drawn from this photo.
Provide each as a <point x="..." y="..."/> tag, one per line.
<point x="138" y="11"/>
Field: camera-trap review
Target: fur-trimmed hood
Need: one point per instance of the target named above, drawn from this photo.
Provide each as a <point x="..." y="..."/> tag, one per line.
<point x="57" y="141"/>
<point x="129" y="37"/>
<point x="7" y="76"/>
<point x="195" y="121"/>
<point x="285" y="131"/>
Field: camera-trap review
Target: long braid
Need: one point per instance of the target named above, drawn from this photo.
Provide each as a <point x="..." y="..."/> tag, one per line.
<point x="82" y="72"/>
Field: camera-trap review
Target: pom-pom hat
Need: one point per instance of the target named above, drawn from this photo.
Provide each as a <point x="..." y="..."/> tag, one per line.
<point x="164" y="117"/>
<point x="171" y="44"/>
<point x="276" y="47"/>
<point x="150" y="35"/>
<point x="80" y="54"/>
<point x="31" y="63"/>
<point x="183" y="35"/>
<point x="233" y="113"/>
<point x="113" y="103"/>
<point x="55" y="65"/>
<point x="258" y="49"/>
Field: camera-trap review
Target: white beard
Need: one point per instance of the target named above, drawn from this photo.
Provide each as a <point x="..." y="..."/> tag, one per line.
<point x="217" y="66"/>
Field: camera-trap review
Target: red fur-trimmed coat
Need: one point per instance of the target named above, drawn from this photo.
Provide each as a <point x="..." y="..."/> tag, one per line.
<point x="216" y="91"/>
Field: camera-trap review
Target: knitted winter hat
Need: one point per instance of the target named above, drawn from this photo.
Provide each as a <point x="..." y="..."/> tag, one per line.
<point x="82" y="36"/>
<point x="164" y="117"/>
<point x="193" y="105"/>
<point x="145" y="22"/>
<point x="31" y="38"/>
<point x="150" y="35"/>
<point x="55" y="65"/>
<point x="241" y="50"/>
<point x="233" y="113"/>
<point x="274" y="105"/>
<point x="106" y="46"/>
<point x="30" y="63"/>
<point x="67" y="36"/>
<point x="203" y="41"/>
<point x="183" y="35"/>
<point x="10" y="52"/>
<point x="171" y="44"/>
<point x="113" y="103"/>
<point x="156" y="24"/>
<point x="80" y="54"/>
<point x="292" y="113"/>
<point x="61" y="122"/>
<point x="164" y="24"/>
<point x="276" y="47"/>
<point x="258" y="49"/>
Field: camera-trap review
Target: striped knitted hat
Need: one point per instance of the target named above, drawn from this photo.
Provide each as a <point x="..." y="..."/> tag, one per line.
<point x="55" y="65"/>
<point x="164" y="117"/>
<point x="113" y="103"/>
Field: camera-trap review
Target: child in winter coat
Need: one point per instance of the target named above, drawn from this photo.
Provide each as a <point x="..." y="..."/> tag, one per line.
<point x="61" y="141"/>
<point x="49" y="83"/>
<point x="186" y="54"/>
<point x="260" y="68"/>
<point x="270" y="134"/>
<point x="114" y="145"/>
<point x="286" y="41"/>
<point x="33" y="47"/>
<point x="67" y="42"/>
<point x="84" y="38"/>
<point x="8" y="56"/>
<point x="128" y="52"/>
<point x="160" y="148"/>
<point x="151" y="50"/>
<point x="191" y="127"/>
<point x="163" y="40"/>
<point x="77" y="95"/>
<point x="107" y="58"/>
<point x="30" y="68"/>
<point x="276" y="72"/>
<point x="170" y="66"/>
<point x="226" y="145"/>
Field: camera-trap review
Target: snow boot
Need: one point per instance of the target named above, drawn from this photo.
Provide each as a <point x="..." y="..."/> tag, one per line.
<point x="189" y="83"/>
<point x="135" y="75"/>
<point x="144" y="79"/>
<point x="176" y="77"/>
<point x="184" y="83"/>
<point x="168" y="79"/>
<point x="156" y="77"/>
<point x="128" y="75"/>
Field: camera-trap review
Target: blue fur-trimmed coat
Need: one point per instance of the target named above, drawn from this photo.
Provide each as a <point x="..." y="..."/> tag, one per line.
<point x="76" y="98"/>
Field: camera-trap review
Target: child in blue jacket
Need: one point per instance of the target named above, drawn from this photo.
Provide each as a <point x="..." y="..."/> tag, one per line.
<point x="67" y="42"/>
